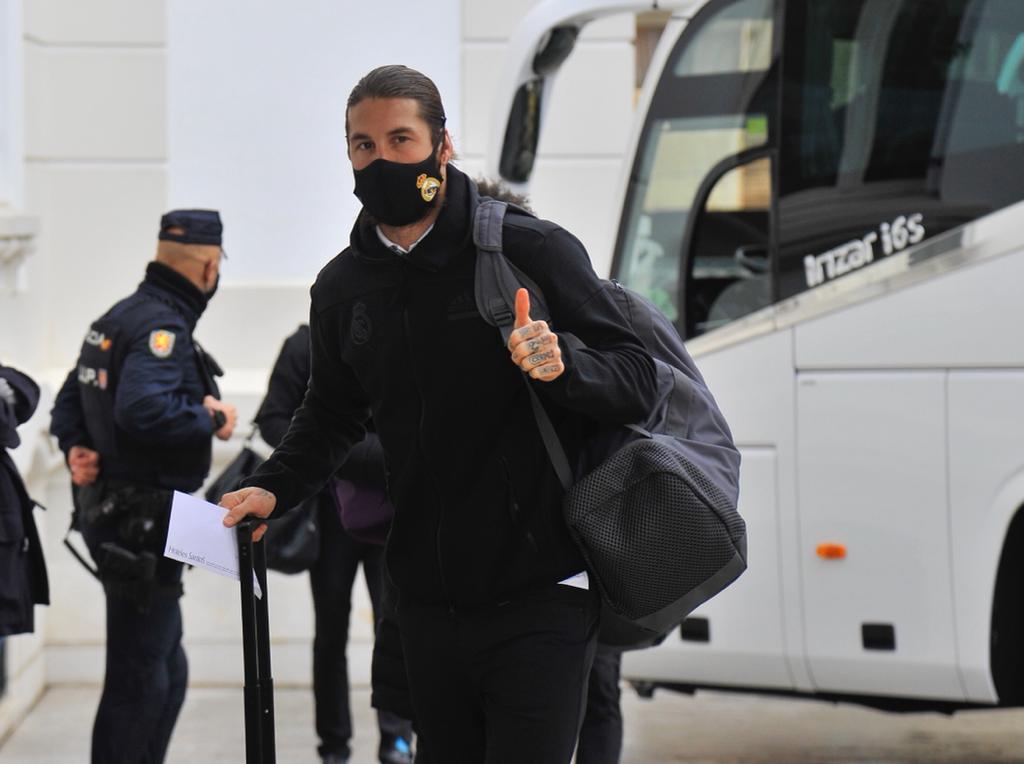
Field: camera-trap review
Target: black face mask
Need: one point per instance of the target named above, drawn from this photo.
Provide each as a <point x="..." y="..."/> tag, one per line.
<point x="213" y="290"/>
<point x="396" y="193"/>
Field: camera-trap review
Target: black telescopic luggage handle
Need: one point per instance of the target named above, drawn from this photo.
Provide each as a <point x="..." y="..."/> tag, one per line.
<point x="259" y="684"/>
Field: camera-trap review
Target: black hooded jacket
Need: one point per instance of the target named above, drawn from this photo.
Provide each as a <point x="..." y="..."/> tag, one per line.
<point x="23" y="581"/>
<point x="478" y="506"/>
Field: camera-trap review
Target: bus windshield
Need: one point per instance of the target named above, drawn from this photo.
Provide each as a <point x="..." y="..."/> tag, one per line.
<point x="709" y="105"/>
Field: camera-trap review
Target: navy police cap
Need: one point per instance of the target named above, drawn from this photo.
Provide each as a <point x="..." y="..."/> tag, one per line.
<point x="198" y="227"/>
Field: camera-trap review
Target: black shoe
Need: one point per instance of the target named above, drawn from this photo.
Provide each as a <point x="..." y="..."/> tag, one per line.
<point x="395" y="750"/>
<point x="334" y="758"/>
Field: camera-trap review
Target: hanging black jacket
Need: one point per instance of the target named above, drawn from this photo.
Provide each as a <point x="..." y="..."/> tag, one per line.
<point x="478" y="506"/>
<point x="23" y="581"/>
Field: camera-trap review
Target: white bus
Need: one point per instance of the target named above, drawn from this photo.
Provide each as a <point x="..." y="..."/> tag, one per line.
<point x="825" y="196"/>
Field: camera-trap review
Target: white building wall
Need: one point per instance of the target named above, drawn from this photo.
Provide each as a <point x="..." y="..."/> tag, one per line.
<point x="95" y="175"/>
<point x="125" y="108"/>
<point x="84" y="153"/>
<point x="10" y="103"/>
<point x="257" y="96"/>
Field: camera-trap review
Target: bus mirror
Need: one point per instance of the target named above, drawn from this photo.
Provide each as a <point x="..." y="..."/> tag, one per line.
<point x="522" y="133"/>
<point x="553" y="49"/>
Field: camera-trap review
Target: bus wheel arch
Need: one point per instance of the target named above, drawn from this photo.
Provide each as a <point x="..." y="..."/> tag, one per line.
<point x="1007" y="628"/>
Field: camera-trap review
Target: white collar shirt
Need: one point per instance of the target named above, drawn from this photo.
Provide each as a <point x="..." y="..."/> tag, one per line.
<point x="398" y="249"/>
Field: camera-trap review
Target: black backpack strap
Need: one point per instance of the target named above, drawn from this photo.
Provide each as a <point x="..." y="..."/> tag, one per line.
<point x="495" y="287"/>
<point x="497" y="280"/>
<point x="496" y="284"/>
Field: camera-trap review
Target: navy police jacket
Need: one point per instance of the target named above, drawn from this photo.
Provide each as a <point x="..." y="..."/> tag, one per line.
<point x="136" y="393"/>
<point x="478" y="507"/>
<point x="23" y="581"/>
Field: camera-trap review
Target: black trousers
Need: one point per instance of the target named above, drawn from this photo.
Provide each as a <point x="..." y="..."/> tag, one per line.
<point x="331" y="579"/>
<point x="503" y="684"/>
<point x="601" y="734"/>
<point x="146" y="673"/>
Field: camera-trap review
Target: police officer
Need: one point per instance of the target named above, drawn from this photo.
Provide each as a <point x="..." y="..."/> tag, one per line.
<point x="135" y="419"/>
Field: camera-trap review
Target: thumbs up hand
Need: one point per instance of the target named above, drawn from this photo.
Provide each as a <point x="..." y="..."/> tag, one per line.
<point x="533" y="345"/>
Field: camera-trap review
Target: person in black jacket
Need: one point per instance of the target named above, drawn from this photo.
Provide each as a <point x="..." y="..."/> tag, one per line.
<point x="333" y="574"/>
<point x="135" y="419"/>
<point x="23" y="581"/>
<point x="497" y="650"/>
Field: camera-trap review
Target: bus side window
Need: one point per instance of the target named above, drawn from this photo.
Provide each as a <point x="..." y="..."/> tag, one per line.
<point x="730" y="269"/>
<point x="897" y="117"/>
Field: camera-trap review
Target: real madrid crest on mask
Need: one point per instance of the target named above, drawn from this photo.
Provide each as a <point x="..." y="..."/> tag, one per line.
<point x="399" y="193"/>
<point x="428" y="187"/>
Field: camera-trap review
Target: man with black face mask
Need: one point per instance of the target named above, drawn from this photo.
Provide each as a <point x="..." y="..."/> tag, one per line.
<point x="497" y="625"/>
<point x="135" y="418"/>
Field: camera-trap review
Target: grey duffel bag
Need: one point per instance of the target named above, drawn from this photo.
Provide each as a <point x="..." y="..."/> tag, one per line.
<point x="651" y="506"/>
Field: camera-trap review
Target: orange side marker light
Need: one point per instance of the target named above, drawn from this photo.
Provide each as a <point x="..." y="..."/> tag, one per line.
<point x="832" y="551"/>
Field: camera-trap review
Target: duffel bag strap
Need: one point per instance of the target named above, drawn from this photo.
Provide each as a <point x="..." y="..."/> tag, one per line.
<point x="78" y="555"/>
<point x="552" y="444"/>
<point x="255" y="443"/>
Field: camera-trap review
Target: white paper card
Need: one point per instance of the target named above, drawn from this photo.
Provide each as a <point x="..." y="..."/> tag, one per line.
<point x="579" y="581"/>
<point x="196" y="535"/>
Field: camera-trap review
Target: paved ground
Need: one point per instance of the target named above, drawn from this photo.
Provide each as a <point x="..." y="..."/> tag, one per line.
<point x="709" y="729"/>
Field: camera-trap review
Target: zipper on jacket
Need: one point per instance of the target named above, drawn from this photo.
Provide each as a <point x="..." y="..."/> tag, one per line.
<point x="423" y="456"/>
<point x="513" y="506"/>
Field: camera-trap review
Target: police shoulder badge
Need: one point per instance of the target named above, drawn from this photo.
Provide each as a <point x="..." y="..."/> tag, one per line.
<point x="428" y="187"/>
<point x="161" y="343"/>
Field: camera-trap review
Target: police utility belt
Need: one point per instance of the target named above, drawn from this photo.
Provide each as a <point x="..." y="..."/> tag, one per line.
<point x="135" y="517"/>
